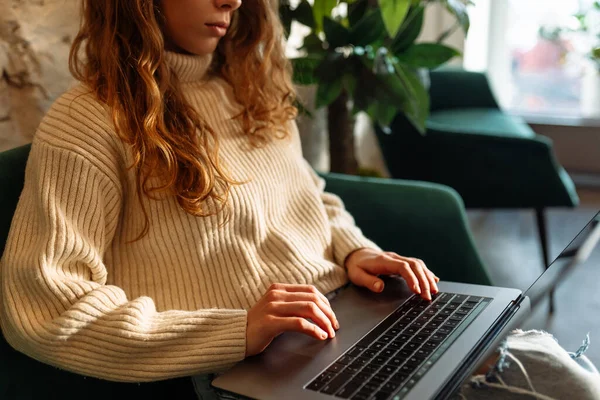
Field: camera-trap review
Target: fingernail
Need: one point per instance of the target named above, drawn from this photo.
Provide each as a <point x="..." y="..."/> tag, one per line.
<point x="337" y="325"/>
<point x="378" y="286"/>
<point x="332" y="333"/>
<point x="323" y="335"/>
<point x="417" y="289"/>
<point x="428" y="296"/>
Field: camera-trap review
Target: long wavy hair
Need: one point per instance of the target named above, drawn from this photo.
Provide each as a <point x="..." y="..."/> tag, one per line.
<point x="119" y="53"/>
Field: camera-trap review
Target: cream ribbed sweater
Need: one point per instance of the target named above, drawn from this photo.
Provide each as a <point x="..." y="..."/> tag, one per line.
<point x="76" y="295"/>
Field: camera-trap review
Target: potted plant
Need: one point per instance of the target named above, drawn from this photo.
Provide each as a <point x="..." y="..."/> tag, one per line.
<point x="366" y="59"/>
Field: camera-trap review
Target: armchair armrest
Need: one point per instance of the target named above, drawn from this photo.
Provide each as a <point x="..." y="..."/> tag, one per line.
<point x="415" y="219"/>
<point x="457" y="88"/>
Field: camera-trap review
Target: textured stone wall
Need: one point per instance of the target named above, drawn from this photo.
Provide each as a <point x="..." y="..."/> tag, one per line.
<point x="35" y="37"/>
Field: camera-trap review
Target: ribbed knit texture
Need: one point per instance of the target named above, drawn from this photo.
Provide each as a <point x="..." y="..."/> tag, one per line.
<point x="75" y="293"/>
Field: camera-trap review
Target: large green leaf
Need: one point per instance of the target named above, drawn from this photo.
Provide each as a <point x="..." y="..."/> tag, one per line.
<point x="312" y="44"/>
<point x="427" y="55"/>
<point x="410" y="30"/>
<point x="368" y="30"/>
<point x="305" y="69"/>
<point x="459" y="9"/>
<point x="321" y="9"/>
<point x="394" y="12"/>
<point x="356" y="11"/>
<point x="327" y="92"/>
<point x="418" y="110"/>
<point x="285" y="14"/>
<point x="335" y="33"/>
<point x="382" y="112"/>
<point x="332" y="67"/>
<point x="304" y="14"/>
<point x="385" y="88"/>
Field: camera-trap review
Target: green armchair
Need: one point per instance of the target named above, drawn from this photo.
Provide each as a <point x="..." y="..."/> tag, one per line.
<point x="420" y="219"/>
<point x="492" y="159"/>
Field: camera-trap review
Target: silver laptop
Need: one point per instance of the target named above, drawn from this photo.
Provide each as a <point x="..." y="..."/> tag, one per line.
<point x="395" y="345"/>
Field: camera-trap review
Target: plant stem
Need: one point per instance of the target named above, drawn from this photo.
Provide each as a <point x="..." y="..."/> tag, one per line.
<point x="340" y="125"/>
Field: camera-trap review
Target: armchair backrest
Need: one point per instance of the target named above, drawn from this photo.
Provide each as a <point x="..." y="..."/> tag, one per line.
<point x="457" y="88"/>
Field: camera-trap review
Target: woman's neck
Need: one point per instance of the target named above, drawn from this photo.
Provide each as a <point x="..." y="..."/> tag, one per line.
<point x="189" y="67"/>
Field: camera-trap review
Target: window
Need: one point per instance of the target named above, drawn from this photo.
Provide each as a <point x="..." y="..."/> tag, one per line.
<point x="533" y="69"/>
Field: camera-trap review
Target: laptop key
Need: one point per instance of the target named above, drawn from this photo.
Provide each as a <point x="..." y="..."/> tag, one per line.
<point x="421" y="338"/>
<point x="369" y="353"/>
<point x="474" y="299"/>
<point x="393" y="332"/>
<point x="379" y="360"/>
<point x="382" y="396"/>
<point x="408" y="368"/>
<point x="459" y="298"/>
<point x="437" y="337"/>
<point x="388" y="369"/>
<point x="345" y="360"/>
<point x="385" y="339"/>
<point x="419" y="324"/>
<point x="377" y="346"/>
<point x="457" y="317"/>
<point x="431" y="345"/>
<point x="426" y="331"/>
<point x="390" y="386"/>
<point x="445" y="330"/>
<point x="336" y="383"/>
<point x="399" y="377"/>
<point x="396" y="361"/>
<point x="362" y="395"/>
<point x="412" y="345"/>
<point x="452" y="323"/>
<point x="411" y="330"/>
<point x="423" y="352"/>
<point x="325" y="377"/>
<point x="387" y="352"/>
<point x="403" y="338"/>
<point x="446" y="311"/>
<point x="380" y="378"/>
<point x="335" y="368"/>
<point x="396" y="345"/>
<point x="443" y="297"/>
<point x="352" y="368"/>
<point x="316" y="385"/>
<point x="355" y="351"/>
<point x="405" y="353"/>
<point x="362" y="376"/>
<point x="371" y="386"/>
<point x="347" y="391"/>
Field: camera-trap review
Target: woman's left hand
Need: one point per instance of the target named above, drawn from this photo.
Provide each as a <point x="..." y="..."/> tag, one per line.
<point x="365" y="265"/>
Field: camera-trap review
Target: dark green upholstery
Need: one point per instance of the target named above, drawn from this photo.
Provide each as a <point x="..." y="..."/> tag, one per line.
<point x="418" y="219"/>
<point x="492" y="159"/>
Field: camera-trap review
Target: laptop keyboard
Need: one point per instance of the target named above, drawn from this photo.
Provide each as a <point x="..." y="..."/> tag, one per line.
<point x="389" y="361"/>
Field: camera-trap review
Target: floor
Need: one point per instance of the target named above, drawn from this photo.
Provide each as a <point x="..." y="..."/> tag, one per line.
<point x="508" y="243"/>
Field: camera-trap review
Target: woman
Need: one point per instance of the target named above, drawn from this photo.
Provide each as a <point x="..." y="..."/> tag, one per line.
<point x="169" y="225"/>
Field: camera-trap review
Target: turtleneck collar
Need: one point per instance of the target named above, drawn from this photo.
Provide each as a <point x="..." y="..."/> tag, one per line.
<point x="188" y="67"/>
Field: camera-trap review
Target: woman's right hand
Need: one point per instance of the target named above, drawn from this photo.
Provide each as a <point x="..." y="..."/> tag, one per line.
<point x="286" y="308"/>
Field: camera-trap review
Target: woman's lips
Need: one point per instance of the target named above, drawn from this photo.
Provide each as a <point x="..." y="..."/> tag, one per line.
<point x="218" y="29"/>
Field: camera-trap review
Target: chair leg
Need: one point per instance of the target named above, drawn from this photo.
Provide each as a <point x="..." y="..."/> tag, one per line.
<point x="540" y="215"/>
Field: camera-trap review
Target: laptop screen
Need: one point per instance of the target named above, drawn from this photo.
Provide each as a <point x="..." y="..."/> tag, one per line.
<point x="574" y="254"/>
